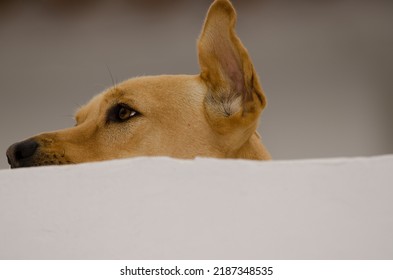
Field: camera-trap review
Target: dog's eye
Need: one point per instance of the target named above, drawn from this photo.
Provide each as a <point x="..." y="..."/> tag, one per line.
<point x="125" y="113"/>
<point x="121" y="113"/>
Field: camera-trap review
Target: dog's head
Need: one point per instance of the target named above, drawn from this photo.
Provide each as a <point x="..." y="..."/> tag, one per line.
<point x="213" y="114"/>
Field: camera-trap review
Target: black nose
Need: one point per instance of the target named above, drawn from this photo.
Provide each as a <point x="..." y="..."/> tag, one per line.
<point x="20" y="153"/>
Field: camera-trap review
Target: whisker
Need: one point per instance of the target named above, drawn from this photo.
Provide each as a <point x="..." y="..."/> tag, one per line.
<point x="114" y="82"/>
<point x="69" y="116"/>
<point x="76" y="104"/>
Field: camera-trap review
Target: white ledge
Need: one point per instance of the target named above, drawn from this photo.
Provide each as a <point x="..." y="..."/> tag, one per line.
<point x="161" y="208"/>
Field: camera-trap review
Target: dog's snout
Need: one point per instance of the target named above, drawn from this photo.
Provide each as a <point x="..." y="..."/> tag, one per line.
<point x="21" y="152"/>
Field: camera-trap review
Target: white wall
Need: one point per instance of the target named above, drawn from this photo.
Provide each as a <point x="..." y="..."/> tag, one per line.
<point x="159" y="208"/>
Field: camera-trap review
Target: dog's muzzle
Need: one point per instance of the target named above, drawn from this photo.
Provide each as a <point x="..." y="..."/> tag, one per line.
<point x="21" y="154"/>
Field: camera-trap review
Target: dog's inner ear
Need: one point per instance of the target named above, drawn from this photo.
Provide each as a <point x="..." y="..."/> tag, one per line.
<point x="226" y="67"/>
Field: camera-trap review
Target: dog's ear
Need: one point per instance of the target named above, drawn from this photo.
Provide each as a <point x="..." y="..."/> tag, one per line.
<point x="234" y="93"/>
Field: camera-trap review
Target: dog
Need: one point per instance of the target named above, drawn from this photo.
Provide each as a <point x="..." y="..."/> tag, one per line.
<point x="212" y="114"/>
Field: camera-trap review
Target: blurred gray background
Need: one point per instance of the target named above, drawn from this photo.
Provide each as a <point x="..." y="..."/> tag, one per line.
<point x="326" y="66"/>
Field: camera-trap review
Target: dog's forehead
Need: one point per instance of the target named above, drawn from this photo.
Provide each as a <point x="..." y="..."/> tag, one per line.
<point x="157" y="91"/>
<point x="158" y="85"/>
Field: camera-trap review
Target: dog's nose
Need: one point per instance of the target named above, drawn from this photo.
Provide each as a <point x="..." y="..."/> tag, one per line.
<point x="20" y="152"/>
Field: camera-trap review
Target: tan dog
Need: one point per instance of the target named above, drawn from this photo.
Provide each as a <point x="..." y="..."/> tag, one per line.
<point x="213" y="114"/>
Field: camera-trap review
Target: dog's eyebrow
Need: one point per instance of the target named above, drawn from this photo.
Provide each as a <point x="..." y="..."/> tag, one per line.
<point x="114" y="92"/>
<point x="119" y="95"/>
<point x="115" y="95"/>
